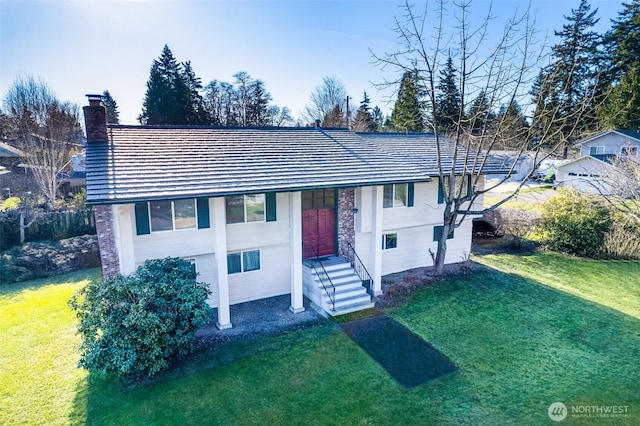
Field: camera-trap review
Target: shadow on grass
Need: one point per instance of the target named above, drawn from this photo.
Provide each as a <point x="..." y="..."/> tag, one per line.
<point x="519" y="347"/>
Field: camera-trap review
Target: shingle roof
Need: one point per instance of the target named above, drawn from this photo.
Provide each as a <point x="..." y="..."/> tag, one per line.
<point x="421" y="149"/>
<point x="634" y="134"/>
<point x="141" y="162"/>
<point x="157" y="162"/>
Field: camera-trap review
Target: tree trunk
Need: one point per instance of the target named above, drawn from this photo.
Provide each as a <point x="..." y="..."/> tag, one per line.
<point x="22" y="228"/>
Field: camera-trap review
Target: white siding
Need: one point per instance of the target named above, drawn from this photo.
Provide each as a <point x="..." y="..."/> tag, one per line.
<point x="414" y="226"/>
<point x="272" y="239"/>
<point x="612" y="143"/>
<point x="587" y="175"/>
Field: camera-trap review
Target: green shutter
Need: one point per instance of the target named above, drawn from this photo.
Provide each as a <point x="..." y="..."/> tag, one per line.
<point x="437" y="232"/>
<point x="270" y="207"/>
<point x="410" y="191"/>
<point x="142" y="218"/>
<point x="202" y="205"/>
<point x="440" y="192"/>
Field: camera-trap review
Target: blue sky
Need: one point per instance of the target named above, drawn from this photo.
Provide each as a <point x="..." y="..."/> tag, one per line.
<point x="81" y="47"/>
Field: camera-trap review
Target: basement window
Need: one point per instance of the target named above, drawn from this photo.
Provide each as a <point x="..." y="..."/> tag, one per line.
<point x="389" y="241"/>
<point x="244" y="261"/>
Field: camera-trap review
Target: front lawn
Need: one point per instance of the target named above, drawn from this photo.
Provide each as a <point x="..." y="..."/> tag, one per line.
<point x="522" y="338"/>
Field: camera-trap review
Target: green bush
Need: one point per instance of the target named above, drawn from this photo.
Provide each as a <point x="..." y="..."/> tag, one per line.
<point x="47" y="258"/>
<point x="575" y="224"/>
<point x="137" y="325"/>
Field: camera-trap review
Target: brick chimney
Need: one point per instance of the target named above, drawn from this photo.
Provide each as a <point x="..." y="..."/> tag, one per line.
<point x="95" y="119"/>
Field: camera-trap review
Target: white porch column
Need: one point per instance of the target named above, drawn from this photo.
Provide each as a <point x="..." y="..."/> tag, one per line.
<point x="376" y="238"/>
<point x="124" y="231"/>
<point x="295" y="242"/>
<point x="220" y="226"/>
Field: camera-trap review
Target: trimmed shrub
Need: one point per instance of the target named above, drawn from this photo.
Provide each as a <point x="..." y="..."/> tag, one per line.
<point x="575" y="224"/>
<point x="137" y="325"/>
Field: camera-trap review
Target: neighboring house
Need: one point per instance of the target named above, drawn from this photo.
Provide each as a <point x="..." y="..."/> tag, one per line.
<point x="267" y="212"/>
<point x="13" y="178"/>
<point x="73" y="182"/>
<point x="588" y="172"/>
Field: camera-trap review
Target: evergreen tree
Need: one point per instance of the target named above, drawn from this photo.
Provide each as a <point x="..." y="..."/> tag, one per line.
<point x="572" y="78"/>
<point x="194" y="110"/>
<point x="378" y="118"/>
<point x="622" y="107"/>
<point x="363" y="121"/>
<point x="113" y="115"/>
<point x="511" y="126"/>
<point x="408" y="111"/>
<point x="168" y="98"/>
<point x="623" y="39"/>
<point x="480" y="115"/>
<point x="621" y="110"/>
<point x="258" y="104"/>
<point x="448" y="100"/>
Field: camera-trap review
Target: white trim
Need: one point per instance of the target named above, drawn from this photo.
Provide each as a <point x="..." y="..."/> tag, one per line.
<point x="219" y="219"/>
<point x="295" y="247"/>
<point x="377" y="197"/>
<point x="124" y="231"/>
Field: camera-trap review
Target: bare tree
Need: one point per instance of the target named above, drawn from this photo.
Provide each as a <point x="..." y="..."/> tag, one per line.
<point x="620" y="185"/>
<point x="47" y="131"/>
<point x="502" y="74"/>
<point x="327" y="104"/>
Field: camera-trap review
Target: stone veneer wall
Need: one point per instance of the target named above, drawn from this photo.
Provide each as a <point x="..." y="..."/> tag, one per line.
<point x="346" y="218"/>
<point x="106" y="241"/>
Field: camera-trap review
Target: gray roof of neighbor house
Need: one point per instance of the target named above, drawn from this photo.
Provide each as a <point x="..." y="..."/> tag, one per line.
<point x="159" y="162"/>
<point x="634" y="134"/>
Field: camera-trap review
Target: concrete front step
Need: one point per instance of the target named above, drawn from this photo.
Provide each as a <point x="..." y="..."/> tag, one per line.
<point x="350" y="294"/>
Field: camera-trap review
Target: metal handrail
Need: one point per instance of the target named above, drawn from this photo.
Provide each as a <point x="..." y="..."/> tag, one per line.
<point x="350" y="254"/>
<point x="326" y="275"/>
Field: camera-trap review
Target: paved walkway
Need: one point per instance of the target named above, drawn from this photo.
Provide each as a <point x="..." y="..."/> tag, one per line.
<point x="260" y="317"/>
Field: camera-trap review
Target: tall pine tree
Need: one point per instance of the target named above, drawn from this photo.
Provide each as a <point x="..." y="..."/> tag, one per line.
<point x="194" y="111"/>
<point x="172" y="95"/>
<point x="408" y="111"/>
<point x="363" y="121"/>
<point x="113" y="115"/>
<point x="448" y="100"/>
<point x="571" y="82"/>
<point x="621" y="109"/>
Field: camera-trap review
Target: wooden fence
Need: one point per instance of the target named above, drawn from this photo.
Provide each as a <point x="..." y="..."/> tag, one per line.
<point x="31" y="224"/>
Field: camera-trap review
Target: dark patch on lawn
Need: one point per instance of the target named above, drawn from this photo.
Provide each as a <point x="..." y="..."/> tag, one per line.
<point x="407" y="358"/>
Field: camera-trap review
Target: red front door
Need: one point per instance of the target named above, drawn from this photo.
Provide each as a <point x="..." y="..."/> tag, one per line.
<point x="318" y="232"/>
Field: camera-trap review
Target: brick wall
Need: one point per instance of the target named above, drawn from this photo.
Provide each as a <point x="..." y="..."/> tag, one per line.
<point x="346" y="219"/>
<point x="106" y="240"/>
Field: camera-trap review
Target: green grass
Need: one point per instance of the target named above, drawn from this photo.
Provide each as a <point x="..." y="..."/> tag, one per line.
<point x="38" y="350"/>
<point x="523" y="337"/>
